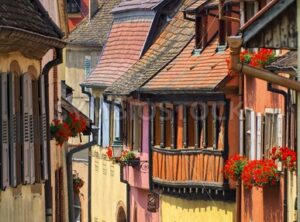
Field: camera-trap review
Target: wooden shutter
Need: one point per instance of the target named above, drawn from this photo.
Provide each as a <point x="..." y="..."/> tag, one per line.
<point x="258" y="136"/>
<point x="279" y="128"/>
<point x="13" y="96"/>
<point x="105" y="126"/>
<point x="241" y="136"/>
<point x="250" y="134"/>
<point x="4" y="135"/>
<point x="267" y="133"/>
<point x="36" y="131"/>
<point x="43" y="128"/>
<point x="27" y="129"/>
<point x="117" y="131"/>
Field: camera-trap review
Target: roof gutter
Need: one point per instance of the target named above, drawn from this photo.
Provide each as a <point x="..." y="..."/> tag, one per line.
<point x="235" y="44"/>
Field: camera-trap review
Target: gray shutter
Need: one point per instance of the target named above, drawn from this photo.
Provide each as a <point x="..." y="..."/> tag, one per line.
<point x="36" y="130"/>
<point x="31" y="131"/>
<point x="4" y="137"/>
<point x="13" y="94"/>
<point x="25" y="79"/>
<point x="43" y="128"/>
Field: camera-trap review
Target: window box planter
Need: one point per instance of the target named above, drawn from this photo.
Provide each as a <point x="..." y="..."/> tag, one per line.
<point x="133" y="163"/>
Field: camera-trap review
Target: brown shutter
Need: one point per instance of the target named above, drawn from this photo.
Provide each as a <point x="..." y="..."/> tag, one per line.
<point x="25" y="129"/>
<point x="43" y="128"/>
<point x="36" y="119"/>
<point x="4" y="137"/>
<point x="13" y="95"/>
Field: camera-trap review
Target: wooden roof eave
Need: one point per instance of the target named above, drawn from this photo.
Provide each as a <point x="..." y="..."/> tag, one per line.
<point x="30" y="44"/>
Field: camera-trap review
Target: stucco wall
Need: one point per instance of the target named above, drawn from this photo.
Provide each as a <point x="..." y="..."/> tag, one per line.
<point x="107" y="191"/>
<point x="74" y="74"/>
<point x="23" y="204"/>
<point x="181" y="210"/>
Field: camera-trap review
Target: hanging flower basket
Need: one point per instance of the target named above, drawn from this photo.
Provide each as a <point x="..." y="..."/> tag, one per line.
<point x="234" y="167"/>
<point x="286" y="156"/>
<point x="261" y="58"/>
<point x="260" y="173"/>
<point x="71" y="126"/>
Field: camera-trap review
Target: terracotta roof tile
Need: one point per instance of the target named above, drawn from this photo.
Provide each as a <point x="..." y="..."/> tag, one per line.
<point x="176" y="35"/>
<point x="94" y="32"/>
<point x="123" y="48"/>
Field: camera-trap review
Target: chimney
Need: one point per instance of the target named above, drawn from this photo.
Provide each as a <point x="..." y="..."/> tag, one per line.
<point x="93" y="7"/>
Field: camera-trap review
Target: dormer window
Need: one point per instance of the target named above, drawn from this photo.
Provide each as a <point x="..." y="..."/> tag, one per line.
<point x="200" y="30"/>
<point x="73" y="6"/>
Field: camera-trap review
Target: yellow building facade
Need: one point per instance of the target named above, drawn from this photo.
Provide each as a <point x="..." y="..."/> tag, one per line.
<point x="183" y="210"/>
<point x="108" y="193"/>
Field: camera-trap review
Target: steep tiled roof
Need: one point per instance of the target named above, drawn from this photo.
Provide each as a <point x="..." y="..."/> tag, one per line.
<point x="177" y="34"/>
<point x="122" y="50"/>
<point x="28" y="15"/>
<point x="189" y="72"/>
<point x="95" y="31"/>
<point x="127" y="5"/>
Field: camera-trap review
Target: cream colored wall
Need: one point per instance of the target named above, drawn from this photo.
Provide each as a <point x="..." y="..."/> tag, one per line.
<point x="81" y="168"/>
<point x="24" y="63"/>
<point x="25" y="203"/>
<point x="107" y="190"/>
<point x="182" y="210"/>
<point x="291" y="189"/>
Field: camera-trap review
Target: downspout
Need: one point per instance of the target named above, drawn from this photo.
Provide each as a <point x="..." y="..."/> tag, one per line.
<point x="286" y="99"/>
<point x="84" y="91"/>
<point x="48" y="189"/>
<point x="70" y="174"/>
<point x="127" y="193"/>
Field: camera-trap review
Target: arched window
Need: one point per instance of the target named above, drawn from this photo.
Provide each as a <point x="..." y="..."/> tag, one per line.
<point x="121" y="215"/>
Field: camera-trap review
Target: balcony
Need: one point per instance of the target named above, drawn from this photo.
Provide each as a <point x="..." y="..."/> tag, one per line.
<point x="189" y="171"/>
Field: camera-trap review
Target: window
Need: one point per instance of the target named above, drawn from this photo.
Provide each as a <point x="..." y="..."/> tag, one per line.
<point x="189" y="126"/>
<point x="134" y="123"/>
<point x="137" y="127"/>
<point x="272" y="130"/>
<point x="164" y="125"/>
<point x="73" y="6"/>
<point x="262" y="132"/>
<point x="87" y="65"/>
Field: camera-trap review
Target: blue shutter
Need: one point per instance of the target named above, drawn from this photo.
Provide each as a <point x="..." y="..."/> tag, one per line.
<point x="105" y="124"/>
<point x="100" y="121"/>
<point x="92" y="111"/>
